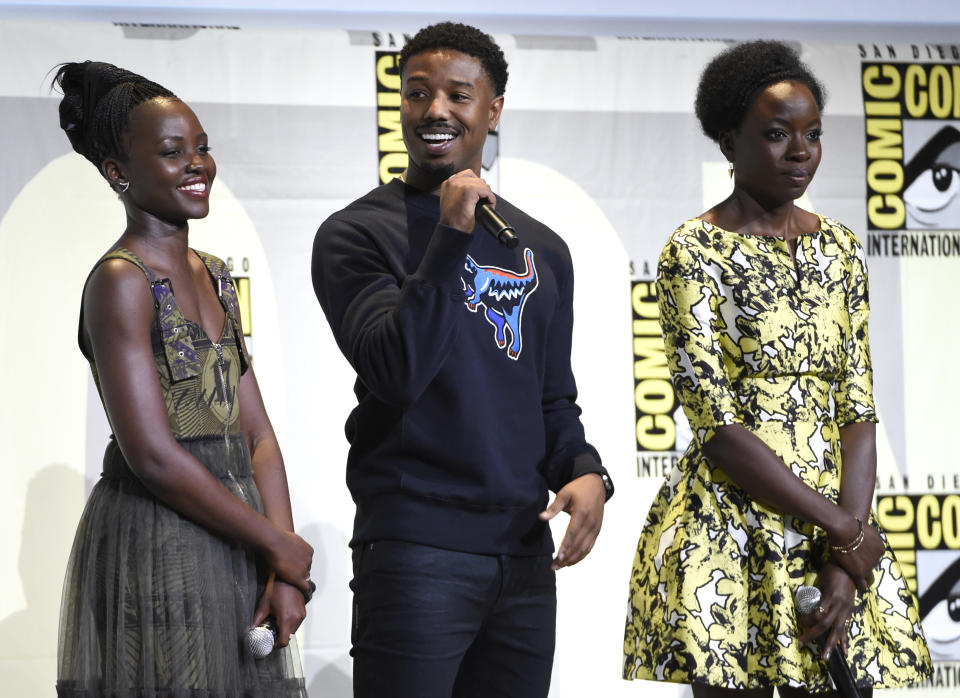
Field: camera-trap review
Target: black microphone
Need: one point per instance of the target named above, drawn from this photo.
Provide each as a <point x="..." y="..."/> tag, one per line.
<point x="495" y="225"/>
<point x="808" y="599"/>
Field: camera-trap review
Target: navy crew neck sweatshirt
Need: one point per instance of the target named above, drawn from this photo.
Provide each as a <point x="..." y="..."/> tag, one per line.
<point x="466" y="409"/>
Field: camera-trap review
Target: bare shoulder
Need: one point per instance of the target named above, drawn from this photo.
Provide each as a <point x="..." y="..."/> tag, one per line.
<point x="117" y="294"/>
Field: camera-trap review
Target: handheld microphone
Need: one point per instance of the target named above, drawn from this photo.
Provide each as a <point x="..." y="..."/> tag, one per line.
<point x="808" y="598"/>
<point x="260" y="639"/>
<point x="494" y="224"/>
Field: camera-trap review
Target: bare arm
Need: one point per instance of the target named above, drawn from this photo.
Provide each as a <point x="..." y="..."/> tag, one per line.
<point x="858" y="444"/>
<point x="859" y="457"/>
<point x="118" y="312"/>
<point x="752" y="465"/>
<point x="281" y="600"/>
<point x="268" y="468"/>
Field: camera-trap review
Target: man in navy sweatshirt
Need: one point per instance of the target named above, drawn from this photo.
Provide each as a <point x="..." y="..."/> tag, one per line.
<point x="466" y="410"/>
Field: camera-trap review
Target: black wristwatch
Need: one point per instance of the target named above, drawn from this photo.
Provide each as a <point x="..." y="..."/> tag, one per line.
<point x="607" y="485"/>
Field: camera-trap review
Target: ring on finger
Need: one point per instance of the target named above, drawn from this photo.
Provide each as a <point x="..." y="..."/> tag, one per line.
<point x="820" y="610"/>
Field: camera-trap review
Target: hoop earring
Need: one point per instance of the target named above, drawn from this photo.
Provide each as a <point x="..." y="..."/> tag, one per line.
<point x="729" y="170"/>
<point x="122" y="186"/>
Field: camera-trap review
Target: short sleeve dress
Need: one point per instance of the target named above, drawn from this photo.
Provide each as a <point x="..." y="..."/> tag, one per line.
<point x="780" y="346"/>
<point x="154" y="605"/>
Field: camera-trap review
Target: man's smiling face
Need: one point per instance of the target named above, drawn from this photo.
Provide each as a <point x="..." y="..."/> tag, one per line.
<point x="448" y="105"/>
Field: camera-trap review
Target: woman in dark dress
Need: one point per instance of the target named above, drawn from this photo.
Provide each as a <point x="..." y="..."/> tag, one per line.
<point x="191" y="516"/>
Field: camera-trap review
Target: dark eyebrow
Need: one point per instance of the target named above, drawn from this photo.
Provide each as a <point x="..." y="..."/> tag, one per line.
<point x="785" y="122"/>
<point x="454" y="82"/>
<point x="202" y="134"/>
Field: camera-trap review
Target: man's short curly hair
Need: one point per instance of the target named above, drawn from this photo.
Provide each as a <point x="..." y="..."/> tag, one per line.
<point x="465" y="39"/>
<point x="734" y="78"/>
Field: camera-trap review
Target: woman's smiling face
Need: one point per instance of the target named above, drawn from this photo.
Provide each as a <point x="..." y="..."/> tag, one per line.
<point x="168" y="161"/>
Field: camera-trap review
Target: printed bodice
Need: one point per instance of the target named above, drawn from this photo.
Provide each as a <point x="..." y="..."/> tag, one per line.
<point x="199" y="377"/>
<point x="755" y="335"/>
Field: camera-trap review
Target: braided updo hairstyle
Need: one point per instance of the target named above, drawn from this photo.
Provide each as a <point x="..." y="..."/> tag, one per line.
<point x="734" y="78"/>
<point x="96" y="105"/>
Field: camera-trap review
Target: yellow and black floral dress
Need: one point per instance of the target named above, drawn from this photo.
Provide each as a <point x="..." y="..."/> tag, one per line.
<point x="778" y="345"/>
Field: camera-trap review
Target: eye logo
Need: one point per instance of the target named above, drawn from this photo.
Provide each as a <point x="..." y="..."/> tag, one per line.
<point x="503" y="294"/>
<point x="932" y="183"/>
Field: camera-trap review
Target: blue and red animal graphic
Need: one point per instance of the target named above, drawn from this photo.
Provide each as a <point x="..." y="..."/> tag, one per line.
<point x="503" y="294"/>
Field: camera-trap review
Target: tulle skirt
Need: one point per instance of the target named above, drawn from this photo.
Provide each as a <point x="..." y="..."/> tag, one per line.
<point x="156" y="606"/>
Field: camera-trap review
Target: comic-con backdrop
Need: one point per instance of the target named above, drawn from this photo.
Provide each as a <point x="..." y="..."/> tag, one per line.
<point x="598" y="140"/>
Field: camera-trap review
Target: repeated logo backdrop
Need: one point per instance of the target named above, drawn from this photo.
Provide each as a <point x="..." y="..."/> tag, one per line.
<point x="598" y="141"/>
<point x="911" y="103"/>
<point x="390" y="148"/>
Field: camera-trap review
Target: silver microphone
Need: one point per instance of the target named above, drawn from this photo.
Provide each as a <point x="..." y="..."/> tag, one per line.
<point x="260" y="639"/>
<point x="807" y="598"/>
<point x="807" y="601"/>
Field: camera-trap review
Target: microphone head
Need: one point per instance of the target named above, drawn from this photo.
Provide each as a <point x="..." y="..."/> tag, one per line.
<point x="807" y="600"/>
<point x="260" y="639"/>
<point x="508" y="238"/>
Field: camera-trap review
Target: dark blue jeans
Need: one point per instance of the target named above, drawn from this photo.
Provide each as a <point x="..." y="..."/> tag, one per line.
<point x="434" y="623"/>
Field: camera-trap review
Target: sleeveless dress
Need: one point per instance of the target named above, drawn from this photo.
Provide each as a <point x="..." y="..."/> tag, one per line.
<point x="153" y="604"/>
<point x="780" y="347"/>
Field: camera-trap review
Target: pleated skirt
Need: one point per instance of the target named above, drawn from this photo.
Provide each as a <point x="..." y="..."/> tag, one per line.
<point x="155" y="606"/>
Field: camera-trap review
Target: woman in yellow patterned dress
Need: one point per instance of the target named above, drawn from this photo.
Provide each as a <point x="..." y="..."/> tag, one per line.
<point x="764" y="312"/>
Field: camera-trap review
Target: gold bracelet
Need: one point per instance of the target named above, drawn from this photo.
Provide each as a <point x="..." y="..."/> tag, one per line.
<point x="852" y="545"/>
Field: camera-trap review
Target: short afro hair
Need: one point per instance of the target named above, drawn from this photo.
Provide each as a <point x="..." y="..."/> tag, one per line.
<point x="465" y="39"/>
<point x="734" y="78"/>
